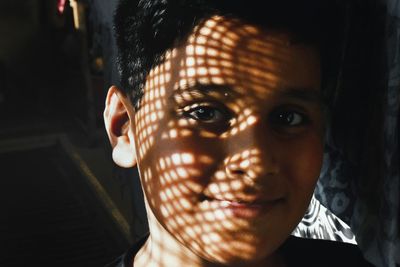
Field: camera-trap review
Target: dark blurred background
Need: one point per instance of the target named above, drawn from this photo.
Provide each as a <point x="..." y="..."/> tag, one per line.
<point x="63" y="201"/>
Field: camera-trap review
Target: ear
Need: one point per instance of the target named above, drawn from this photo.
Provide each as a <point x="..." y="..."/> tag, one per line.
<point x="119" y="123"/>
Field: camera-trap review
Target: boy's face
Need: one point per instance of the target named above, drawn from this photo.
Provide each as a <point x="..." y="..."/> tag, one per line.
<point x="229" y="139"/>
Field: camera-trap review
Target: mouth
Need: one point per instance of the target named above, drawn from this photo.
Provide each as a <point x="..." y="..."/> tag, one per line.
<point x="244" y="208"/>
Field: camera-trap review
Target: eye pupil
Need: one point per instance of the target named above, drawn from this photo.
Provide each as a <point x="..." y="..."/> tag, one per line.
<point x="286" y="117"/>
<point x="208" y="114"/>
<point x="289" y="118"/>
<point x="205" y="113"/>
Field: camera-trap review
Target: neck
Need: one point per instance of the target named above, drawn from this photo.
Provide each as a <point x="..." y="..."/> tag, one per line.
<point x="162" y="249"/>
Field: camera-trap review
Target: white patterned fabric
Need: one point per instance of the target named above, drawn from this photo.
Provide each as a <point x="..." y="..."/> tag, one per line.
<point x="320" y="223"/>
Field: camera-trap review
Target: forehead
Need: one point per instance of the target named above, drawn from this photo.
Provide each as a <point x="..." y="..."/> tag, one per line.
<point x="228" y="51"/>
<point x="230" y="61"/>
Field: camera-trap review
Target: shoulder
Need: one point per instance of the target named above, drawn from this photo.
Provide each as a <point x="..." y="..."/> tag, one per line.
<point x="313" y="252"/>
<point x="118" y="262"/>
<point x="126" y="260"/>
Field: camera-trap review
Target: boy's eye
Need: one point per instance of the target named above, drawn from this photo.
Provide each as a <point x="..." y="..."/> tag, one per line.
<point x="207" y="114"/>
<point x="288" y="118"/>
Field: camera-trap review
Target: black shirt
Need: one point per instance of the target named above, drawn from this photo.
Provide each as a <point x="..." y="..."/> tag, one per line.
<point x="296" y="252"/>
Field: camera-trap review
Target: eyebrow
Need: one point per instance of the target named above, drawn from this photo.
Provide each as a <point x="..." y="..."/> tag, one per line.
<point x="207" y="88"/>
<point x="302" y="94"/>
<point x="201" y="88"/>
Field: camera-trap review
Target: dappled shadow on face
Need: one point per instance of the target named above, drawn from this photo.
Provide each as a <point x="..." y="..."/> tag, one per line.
<point x="216" y="174"/>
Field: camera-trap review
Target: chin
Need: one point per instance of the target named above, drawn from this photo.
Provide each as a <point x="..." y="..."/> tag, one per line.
<point x="238" y="262"/>
<point x="238" y="255"/>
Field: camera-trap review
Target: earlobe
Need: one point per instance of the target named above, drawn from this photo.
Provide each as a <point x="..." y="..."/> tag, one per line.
<point x="123" y="153"/>
<point x="118" y="119"/>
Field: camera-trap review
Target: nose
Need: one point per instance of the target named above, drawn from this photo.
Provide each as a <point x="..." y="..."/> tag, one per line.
<point x="252" y="155"/>
<point x="250" y="166"/>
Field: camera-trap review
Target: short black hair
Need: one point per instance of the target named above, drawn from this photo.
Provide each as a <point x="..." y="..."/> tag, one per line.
<point x="147" y="29"/>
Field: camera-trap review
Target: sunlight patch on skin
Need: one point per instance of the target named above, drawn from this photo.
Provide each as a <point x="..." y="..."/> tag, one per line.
<point x="220" y="175"/>
<point x="208" y="134"/>
<point x="182" y="173"/>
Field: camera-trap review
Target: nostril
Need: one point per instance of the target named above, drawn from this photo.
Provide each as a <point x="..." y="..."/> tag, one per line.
<point x="237" y="167"/>
<point x="238" y="172"/>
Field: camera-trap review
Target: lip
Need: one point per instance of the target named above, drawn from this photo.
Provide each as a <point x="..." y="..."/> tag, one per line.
<point x="248" y="210"/>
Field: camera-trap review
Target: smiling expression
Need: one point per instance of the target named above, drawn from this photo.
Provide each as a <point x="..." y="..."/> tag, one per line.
<point x="229" y="139"/>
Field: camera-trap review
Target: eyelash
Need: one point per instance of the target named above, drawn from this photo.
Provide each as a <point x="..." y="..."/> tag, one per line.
<point x="280" y="118"/>
<point x="189" y="112"/>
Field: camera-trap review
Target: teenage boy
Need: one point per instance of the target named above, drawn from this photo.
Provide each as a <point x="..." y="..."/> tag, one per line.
<point x="222" y="109"/>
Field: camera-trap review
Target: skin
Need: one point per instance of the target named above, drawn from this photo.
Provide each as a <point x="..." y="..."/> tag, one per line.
<point x="228" y="143"/>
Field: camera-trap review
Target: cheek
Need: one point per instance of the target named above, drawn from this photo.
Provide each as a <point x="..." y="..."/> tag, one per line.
<point x="180" y="170"/>
<point x="180" y="173"/>
<point x="303" y="165"/>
